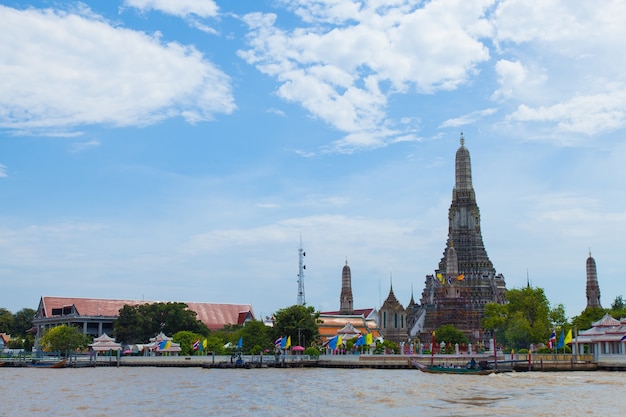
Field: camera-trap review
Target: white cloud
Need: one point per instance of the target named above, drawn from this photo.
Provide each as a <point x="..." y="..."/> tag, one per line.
<point x="468" y="118"/>
<point x="180" y="8"/>
<point x="3" y="171"/>
<point x="563" y="66"/>
<point x="352" y="56"/>
<point x="68" y="70"/>
<point x="589" y="115"/>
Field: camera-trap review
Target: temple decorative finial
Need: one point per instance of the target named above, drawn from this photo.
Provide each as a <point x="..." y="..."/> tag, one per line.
<point x="462" y="139"/>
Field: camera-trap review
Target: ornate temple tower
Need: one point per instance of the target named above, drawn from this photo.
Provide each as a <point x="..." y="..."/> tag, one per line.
<point x="466" y="279"/>
<point x="593" y="289"/>
<point x="345" y="300"/>
<point x="392" y="319"/>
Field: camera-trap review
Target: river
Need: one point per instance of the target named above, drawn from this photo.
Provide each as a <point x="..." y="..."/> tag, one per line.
<point x="147" y="391"/>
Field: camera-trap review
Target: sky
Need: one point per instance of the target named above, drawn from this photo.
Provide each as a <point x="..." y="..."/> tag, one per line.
<point x="181" y="150"/>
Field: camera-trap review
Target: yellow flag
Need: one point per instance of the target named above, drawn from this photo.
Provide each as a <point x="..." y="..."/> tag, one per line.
<point x="440" y="278"/>
<point x="368" y="339"/>
<point x="288" y="344"/>
<point x="568" y="338"/>
<point x="340" y="340"/>
<point x="461" y="277"/>
<point x="204" y="343"/>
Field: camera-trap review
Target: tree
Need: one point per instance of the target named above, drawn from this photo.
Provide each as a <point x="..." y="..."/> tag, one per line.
<point x="618" y="303"/>
<point x="139" y="323"/>
<point x="256" y="337"/>
<point x="449" y="334"/>
<point x="298" y="322"/>
<point x="6" y="321"/>
<point x="524" y="320"/>
<point x="23" y="321"/>
<point x="63" y="339"/>
<point x="589" y="315"/>
<point x="186" y="339"/>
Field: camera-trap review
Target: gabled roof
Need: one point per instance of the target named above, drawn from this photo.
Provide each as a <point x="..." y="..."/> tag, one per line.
<point x="215" y="316"/>
<point x="606" y="321"/>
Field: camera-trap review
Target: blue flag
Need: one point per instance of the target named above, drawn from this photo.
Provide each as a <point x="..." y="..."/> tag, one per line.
<point x="333" y="343"/>
<point x="561" y="340"/>
<point x="240" y="343"/>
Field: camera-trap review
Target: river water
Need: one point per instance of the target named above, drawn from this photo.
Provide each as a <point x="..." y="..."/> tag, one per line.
<point x="142" y="391"/>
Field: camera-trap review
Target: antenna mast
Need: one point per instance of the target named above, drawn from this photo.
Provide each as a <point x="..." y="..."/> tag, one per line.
<point x="302" y="267"/>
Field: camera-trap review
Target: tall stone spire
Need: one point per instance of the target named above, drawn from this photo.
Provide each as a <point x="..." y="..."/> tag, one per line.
<point x="464" y="221"/>
<point x="345" y="301"/>
<point x="593" y="288"/>
<point x="465" y="280"/>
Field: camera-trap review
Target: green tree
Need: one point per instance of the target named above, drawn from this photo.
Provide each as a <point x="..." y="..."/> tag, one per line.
<point x="298" y="322"/>
<point x="6" y="321"/>
<point x="186" y="340"/>
<point x="524" y="320"/>
<point x="22" y="322"/>
<point x="136" y="324"/>
<point x="449" y="334"/>
<point x="63" y="339"/>
<point x="618" y="308"/>
<point x="255" y="337"/>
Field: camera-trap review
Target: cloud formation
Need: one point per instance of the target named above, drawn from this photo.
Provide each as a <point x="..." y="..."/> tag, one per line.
<point x="54" y="78"/>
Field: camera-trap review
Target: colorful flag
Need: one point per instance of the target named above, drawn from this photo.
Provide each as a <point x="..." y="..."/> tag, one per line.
<point x="288" y="344"/>
<point x="440" y="278"/>
<point x="623" y="338"/>
<point x="461" y="277"/>
<point x="561" y="340"/>
<point x="196" y="345"/>
<point x="332" y="343"/>
<point x="449" y="280"/>
<point x="368" y="339"/>
<point x="568" y="337"/>
<point x="162" y="345"/>
<point x="278" y="341"/>
<point x="240" y="343"/>
<point x="360" y="341"/>
<point x="552" y="340"/>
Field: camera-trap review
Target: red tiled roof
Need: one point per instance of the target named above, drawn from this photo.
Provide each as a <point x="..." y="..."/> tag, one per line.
<point x="215" y="316"/>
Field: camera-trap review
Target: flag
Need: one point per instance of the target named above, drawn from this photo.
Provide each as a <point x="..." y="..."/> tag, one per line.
<point x="449" y="280"/>
<point x="196" y="345"/>
<point x="278" y="341"/>
<point x="568" y="337"/>
<point x="561" y="339"/>
<point x="552" y="340"/>
<point x="360" y="341"/>
<point x="440" y="278"/>
<point x="368" y="339"/>
<point x="283" y="342"/>
<point x="623" y="338"/>
<point x="239" y="343"/>
<point x="332" y="343"/>
<point x="162" y="345"/>
<point x="340" y="340"/>
<point x="288" y="344"/>
<point x="204" y="344"/>
<point x="461" y="277"/>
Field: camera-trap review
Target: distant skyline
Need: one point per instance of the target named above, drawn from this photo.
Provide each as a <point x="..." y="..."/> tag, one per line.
<point x="177" y="150"/>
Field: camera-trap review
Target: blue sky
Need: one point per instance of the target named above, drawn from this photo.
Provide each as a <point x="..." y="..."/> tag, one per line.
<point x="177" y="150"/>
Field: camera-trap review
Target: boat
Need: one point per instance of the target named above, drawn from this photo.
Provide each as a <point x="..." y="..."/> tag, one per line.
<point x="438" y="369"/>
<point x="38" y="364"/>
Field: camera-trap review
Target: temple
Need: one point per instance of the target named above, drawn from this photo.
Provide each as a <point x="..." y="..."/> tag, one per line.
<point x="465" y="280"/>
<point x="593" y="288"/>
